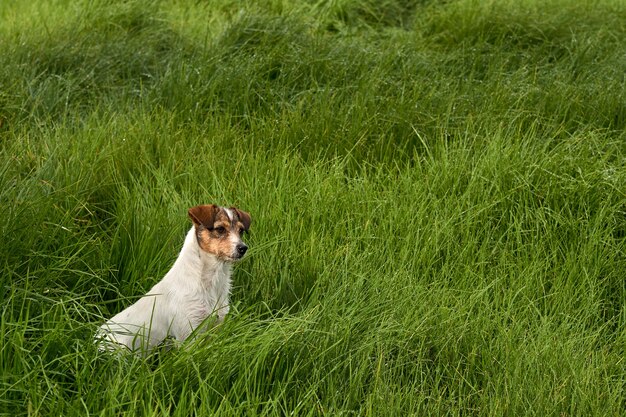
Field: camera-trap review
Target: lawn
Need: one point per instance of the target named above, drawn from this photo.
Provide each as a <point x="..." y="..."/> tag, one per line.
<point x="437" y="189"/>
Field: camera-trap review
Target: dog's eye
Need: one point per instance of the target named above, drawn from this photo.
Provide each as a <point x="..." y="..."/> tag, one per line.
<point x="220" y="230"/>
<point x="242" y="231"/>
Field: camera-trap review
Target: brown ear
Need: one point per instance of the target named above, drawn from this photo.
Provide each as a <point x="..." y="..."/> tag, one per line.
<point x="203" y="215"/>
<point x="244" y="217"/>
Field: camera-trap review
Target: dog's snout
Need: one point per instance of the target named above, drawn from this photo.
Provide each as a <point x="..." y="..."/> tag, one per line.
<point x="241" y="249"/>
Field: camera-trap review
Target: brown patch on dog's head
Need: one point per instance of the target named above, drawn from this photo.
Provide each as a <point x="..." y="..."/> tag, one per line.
<point x="219" y="230"/>
<point x="243" y="217"/>
<point x="203" y="215"/>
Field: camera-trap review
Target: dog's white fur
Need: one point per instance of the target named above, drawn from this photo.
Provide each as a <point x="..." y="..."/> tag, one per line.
<point x="196" y="287"/>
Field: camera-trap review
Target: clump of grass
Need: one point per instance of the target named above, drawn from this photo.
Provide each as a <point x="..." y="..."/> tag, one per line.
<point x="74" y="57"/>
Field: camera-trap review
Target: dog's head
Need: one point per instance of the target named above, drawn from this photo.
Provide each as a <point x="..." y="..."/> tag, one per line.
<point x="219" y="230"/>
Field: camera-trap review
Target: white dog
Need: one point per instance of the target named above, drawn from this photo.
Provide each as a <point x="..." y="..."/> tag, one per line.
<point x="197" y="286"/>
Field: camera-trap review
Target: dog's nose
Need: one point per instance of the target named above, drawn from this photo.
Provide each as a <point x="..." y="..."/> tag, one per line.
<point x="241" y="249"/>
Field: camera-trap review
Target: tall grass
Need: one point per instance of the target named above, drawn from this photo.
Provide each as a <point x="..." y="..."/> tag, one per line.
<point x="437" y="192"/>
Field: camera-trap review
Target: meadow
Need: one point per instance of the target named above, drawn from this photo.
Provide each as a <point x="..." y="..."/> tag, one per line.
<point x="437" y="191"/>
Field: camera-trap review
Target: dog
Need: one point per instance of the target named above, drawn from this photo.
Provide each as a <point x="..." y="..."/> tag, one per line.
<point x="195" y="288"/>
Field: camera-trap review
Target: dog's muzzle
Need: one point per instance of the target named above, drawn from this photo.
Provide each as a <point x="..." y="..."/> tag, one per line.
<point x="241" y="250"/>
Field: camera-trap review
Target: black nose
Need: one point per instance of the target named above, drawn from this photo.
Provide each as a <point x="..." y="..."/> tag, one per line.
<point x="241" y="249"/>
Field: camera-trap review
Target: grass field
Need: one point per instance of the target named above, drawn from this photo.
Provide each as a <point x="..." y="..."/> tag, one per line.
<point x="438" y="194"/>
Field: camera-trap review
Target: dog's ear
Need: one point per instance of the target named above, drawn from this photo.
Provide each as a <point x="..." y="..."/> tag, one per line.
<point x="244" y="218"/>
<point x="203" y="215"/>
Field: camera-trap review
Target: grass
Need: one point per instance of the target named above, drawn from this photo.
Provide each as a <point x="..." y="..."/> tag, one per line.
<point x="437" y="192"/>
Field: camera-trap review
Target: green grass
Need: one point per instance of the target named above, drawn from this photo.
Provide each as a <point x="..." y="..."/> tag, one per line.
<point x="437" y="192"/>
